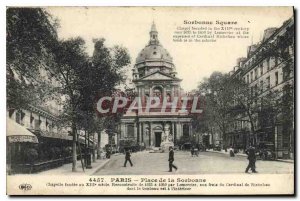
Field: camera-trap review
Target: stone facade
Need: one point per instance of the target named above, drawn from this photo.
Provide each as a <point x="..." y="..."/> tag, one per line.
<point x="154" y="75"/>
<point x="265" y="74"/>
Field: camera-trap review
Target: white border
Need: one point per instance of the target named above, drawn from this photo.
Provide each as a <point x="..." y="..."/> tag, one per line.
<point x="5" y="3"/>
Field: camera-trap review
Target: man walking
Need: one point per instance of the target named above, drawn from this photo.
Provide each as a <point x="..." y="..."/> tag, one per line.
<point x="171" y="159"/>
<point x="127" y="158"/>
<point x="252" y="159"/>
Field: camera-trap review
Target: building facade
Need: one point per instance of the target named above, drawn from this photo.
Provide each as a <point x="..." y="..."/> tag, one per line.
<point x="268" y="70"/>
<point x="41" y="120"/>
<point x="154" y="75"/>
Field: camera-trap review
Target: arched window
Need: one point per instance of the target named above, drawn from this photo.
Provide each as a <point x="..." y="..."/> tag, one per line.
<point x="157" y="92"/>
<point x="169" y="98"/>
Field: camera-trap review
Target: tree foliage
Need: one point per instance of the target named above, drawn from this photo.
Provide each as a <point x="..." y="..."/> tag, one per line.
<point x="30" y="38"/>
<point x="218" y="100"/>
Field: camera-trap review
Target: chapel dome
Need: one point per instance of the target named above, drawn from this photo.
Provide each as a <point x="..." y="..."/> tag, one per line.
<point x="154" y="51"/>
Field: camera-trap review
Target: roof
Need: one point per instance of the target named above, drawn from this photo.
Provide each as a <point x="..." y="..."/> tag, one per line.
<point x="154" y="52"/>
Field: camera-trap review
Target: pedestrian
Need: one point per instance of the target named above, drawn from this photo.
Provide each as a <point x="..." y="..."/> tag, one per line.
<point x="127" y="158"/>
<point x="108" y="153"/>
<point x="171" y="159"/>
<point x="252" y="159"/>
<point x="231" y="152"/>
<point x="192" y="151"/>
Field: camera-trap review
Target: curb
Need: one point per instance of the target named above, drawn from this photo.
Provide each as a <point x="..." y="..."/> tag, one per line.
<point x="99" y="167"/>
<point x="279" y="160"/>
<point x="283" y="161"/>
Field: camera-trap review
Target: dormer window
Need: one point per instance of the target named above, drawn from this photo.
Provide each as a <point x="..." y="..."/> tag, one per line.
<point x="154" y="53"/>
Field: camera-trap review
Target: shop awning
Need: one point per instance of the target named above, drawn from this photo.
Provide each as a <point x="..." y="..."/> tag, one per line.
<point x="49" y="134"/>
<point x="58" y="135"/>
<point x="17" y="133"/>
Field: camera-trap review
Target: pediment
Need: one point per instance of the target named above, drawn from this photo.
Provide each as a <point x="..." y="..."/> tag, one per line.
<point x="158" y="76"/>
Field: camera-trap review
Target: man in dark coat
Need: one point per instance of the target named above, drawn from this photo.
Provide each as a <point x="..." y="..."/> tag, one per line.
<point x="127" y="158"/>
<point x="252" y="159"/>
<point x="171" y="160"/>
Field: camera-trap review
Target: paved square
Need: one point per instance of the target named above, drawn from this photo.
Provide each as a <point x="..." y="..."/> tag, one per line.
<point x="145" y="163"/>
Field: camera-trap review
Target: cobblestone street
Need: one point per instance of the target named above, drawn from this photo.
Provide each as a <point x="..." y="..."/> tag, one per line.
<point x="206" y="163"/>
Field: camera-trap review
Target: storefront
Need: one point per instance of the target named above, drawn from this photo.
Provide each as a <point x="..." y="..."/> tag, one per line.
<point x="21" y="146"/>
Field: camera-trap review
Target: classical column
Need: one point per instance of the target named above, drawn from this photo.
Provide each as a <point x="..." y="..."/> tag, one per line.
<point x="174" y="133"/>
<point x="138" y="132"/>
<point x="150" y="133"/>
<point x="173" y="129"/>
<point x="179" y="130"/>
<point x="123" y="130"/>
<point x="142" y="132"/>
<point x="135" y="130"/>
<point x="151" y="91"/>
<point x="172" y="92"/>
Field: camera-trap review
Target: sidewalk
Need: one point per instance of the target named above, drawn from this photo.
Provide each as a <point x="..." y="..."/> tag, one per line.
<point x="245" y="155"/>
<point x="67" y="169"/>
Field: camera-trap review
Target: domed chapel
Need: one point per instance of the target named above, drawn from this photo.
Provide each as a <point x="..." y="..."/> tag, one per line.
<point x="154" y="74"/>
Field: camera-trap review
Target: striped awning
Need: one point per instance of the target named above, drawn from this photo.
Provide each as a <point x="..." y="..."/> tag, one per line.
<point x="17" y="133"/>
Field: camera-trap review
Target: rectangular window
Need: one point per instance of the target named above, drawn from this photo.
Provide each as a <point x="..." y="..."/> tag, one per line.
<point x="286" y="73"/>
<point x="18" y="117"/>
<point x="248" y="78"/>
<point x="130" y="130"/>
<point x="268" y="63"/>
<point x="268" y="83"/>
<point x="37" y="124"/>
<point x="256" y="73"/>
<point x="276" y="61"/>
<point x="261" y="86"/>
<point x="276" y="78"/>
<point x="256" y="90"/>
<point x="251" y="76"/>
<point x="261" y="70"/>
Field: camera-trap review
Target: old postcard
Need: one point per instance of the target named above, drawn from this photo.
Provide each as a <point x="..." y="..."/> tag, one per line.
<point x="150" y="100"/>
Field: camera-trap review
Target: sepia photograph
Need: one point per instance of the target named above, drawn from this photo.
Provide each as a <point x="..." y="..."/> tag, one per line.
<point x="150" y="100"/>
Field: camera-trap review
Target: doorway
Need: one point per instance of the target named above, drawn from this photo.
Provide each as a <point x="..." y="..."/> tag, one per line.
<point x="157" y="139"/>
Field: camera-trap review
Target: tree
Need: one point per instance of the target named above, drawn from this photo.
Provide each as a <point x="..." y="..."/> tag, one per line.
<point x="108" y="73"/>
<point x="255" y="110"/>
<point x="30" y="38"/>
<point x="71" y="59"/>
<point x="218" y="98"/>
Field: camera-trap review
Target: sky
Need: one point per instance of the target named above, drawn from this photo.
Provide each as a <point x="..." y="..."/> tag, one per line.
<point x="130" y="26"/>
